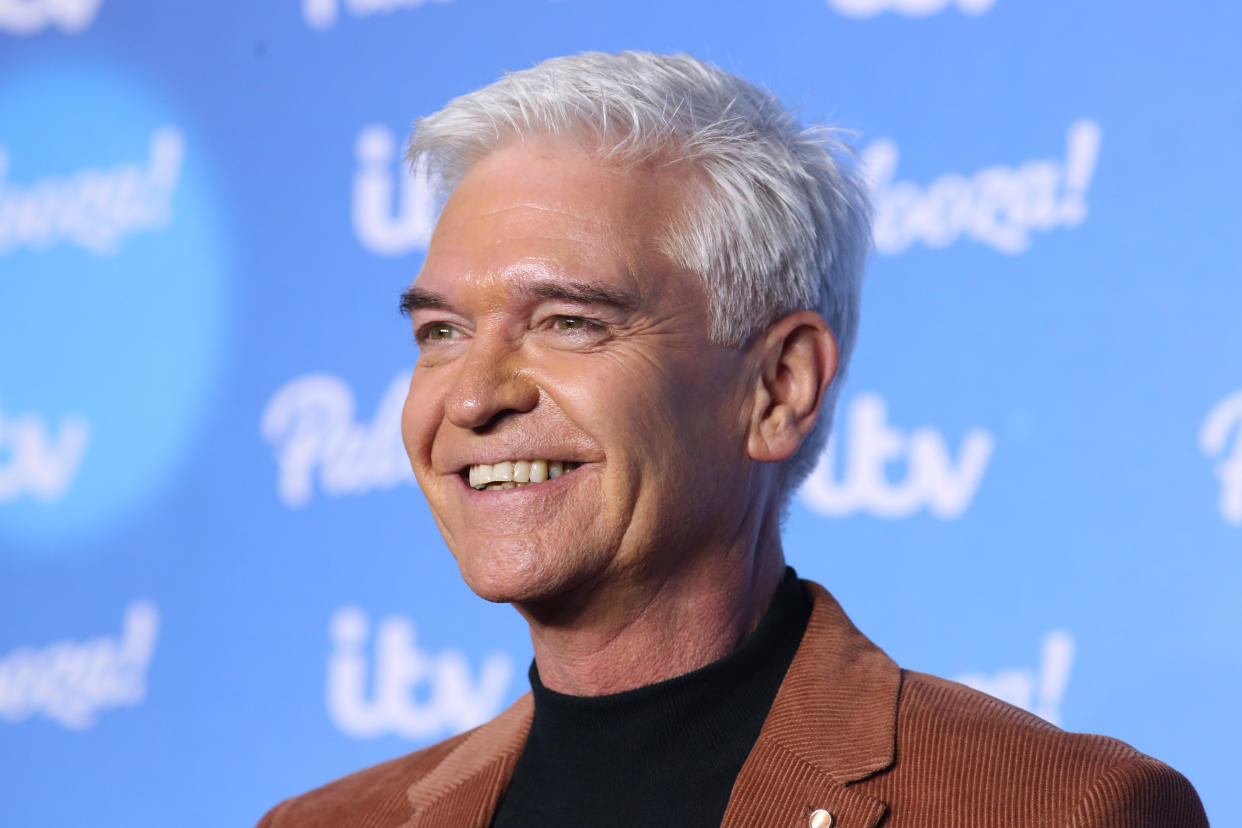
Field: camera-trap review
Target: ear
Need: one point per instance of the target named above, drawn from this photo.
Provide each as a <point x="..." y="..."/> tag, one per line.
<point x="796" y="359"/>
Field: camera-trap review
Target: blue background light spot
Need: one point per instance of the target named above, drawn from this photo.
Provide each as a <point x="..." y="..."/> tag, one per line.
<point x="129" y="340"/>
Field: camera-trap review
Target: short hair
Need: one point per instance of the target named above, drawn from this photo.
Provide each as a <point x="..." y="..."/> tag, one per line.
<point x="781" y="221"/>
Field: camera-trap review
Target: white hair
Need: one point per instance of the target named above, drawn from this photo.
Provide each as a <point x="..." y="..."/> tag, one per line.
<point x="780" y="223"/>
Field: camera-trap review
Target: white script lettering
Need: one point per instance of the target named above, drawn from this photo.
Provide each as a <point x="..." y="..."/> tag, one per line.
<point x="40" y="464"/>
<point x="25" y="17"/>
<point x="71" y="682"/>
<point x="92" y="208"/>
<point x="393" y="210"/>
<point x="323" y="14"/>
<point x="402" y="673"/>
<point x="909" y="8"/>
<point x="310" y="420"/>
<point x="1222" y="425"/>
<point x="1039" y="691"/>
<point x="933" y="479"/>
<point x="998" y="206"/>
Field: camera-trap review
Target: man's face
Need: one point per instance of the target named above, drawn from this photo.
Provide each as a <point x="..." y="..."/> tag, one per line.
<point x="551" y="328"/>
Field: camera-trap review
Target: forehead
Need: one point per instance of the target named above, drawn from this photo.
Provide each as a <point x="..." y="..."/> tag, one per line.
<point x="544" y="209"/>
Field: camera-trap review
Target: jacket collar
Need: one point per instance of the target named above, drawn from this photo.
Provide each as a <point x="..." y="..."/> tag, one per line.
<point x="837" y="707"/>
<point x="833" y="722"/>
<point x="465" y="787"/>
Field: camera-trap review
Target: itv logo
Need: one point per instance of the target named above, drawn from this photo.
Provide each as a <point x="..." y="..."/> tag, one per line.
<point x="43" y="458"/>
<point x="395" y="687"/>
<point x="934" y="479"/>
<point x="393" y="210"/>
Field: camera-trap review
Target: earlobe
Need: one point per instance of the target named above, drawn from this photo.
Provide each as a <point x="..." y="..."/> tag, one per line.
<point x="797" y="359"/>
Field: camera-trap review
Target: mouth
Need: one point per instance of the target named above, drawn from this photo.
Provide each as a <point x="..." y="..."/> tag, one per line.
<point x="512" y="474"/>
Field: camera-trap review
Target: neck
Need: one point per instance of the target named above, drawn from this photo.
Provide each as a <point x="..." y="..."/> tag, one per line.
<point x="647" y="630"/>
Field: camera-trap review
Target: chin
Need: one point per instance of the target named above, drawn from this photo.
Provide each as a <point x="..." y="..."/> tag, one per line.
<point x="520" y="572"/>
<point x="504" y="574"/>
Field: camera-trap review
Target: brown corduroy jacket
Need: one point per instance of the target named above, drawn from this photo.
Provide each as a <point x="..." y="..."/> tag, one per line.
<point x="849" y="733"/>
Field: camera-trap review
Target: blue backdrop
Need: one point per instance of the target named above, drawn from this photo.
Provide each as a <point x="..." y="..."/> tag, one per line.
<point x="218" y="586"/>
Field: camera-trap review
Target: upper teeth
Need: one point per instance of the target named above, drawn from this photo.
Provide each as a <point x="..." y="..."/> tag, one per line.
<point x="511" y="473"/>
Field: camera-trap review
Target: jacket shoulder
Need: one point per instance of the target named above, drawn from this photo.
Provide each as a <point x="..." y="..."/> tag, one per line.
<point x="365" y="797"/>
<point x="1013" y="767"/>
<point x="1137" y="793"/>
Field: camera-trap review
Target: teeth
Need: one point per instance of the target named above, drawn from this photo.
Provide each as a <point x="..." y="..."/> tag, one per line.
<point x="521" y="471"/>
<point x="510" y="474"/>
<point x="538" y="471"/>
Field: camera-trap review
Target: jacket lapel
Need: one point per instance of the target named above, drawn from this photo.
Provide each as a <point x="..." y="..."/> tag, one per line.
<point x="834" y="721"/>
<point x="464" y="789"/>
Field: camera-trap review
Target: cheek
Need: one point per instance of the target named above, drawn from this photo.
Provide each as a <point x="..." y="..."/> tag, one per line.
<point x="615" y="402"/>
<point x="653" y="410"/>
<point x="648" y="416"/>
<point x="418" y="422"/>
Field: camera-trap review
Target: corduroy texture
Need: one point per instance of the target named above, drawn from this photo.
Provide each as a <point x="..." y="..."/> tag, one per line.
<point x="849" y="733"/>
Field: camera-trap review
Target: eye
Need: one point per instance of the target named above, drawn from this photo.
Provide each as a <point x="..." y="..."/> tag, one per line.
<point x="570" y="331"/>
<point x="573" y="323"/>
<point x="435" y="332"/>
<point x="578" y="325"/>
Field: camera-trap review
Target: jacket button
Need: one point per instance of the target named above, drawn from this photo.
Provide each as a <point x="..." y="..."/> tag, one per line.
<point x="821" y="819"/>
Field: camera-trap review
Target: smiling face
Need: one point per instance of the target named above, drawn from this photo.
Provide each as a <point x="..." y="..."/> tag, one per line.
<point x="551" y="328"/>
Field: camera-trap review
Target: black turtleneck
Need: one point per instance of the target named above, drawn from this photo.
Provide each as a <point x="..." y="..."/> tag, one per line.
<point x="664" y="754"/>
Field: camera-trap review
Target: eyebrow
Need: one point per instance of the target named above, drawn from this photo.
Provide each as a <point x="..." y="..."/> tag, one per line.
<point x="413" y="298"/>
<point x="583" y="293"/>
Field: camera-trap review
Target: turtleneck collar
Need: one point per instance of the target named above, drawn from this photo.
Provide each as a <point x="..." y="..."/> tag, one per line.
<point x="683" y="739"/>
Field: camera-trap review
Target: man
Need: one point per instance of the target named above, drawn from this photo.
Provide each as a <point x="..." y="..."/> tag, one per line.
<point x="633" y="318"/>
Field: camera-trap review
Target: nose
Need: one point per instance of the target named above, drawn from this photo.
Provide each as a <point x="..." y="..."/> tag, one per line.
<point x="490" y="385"/>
